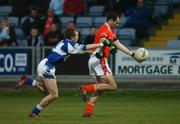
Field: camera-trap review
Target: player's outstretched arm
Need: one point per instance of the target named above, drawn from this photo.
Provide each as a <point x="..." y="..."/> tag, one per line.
<point x="93" y="46"/>
<point x="123" y="48"/>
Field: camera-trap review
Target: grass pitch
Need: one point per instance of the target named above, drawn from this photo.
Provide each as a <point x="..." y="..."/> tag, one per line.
<point x="120" y="107"/>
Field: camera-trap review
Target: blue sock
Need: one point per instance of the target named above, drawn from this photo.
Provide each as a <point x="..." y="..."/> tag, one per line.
<point x="31" y="82"/>
<point x="36" y="109"/>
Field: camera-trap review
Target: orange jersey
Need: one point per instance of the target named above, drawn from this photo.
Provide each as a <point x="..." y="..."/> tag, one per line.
<point x="105" y="32"/>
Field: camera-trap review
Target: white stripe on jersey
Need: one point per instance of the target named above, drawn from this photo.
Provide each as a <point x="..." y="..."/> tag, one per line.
<point x="77" y="48"/>
<point x="58" y="49"/>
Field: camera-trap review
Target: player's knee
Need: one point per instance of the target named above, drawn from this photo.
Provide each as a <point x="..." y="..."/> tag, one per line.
<point x="54" y="96"/>
<point x="114" y="87"/>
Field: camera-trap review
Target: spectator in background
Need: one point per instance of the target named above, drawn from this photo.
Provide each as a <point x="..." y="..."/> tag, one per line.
<point x="7" y="33"/>
<point x="35" y="39"/>
<point x="71" y="25"/>
<point x="4" y="34"/>
<point x="74" y="7"/>
<point x="90" y="38"/>
<point x="32" y="20"/>
<point x="57" y="6"/>
<point x="53" y="37"/>
<point x="49" y="20"/>
<point x="138" y="18"/>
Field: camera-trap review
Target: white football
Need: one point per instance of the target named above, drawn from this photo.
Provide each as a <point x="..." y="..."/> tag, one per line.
<point x="141" y="54"/>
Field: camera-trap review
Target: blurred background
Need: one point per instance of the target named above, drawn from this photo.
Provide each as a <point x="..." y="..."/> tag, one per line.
<point x="30" y="28"/>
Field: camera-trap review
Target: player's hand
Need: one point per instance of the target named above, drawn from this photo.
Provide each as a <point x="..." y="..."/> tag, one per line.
<point x="111" y="45"/>
<point x="137" y="60"/>
<point x="113" y="49"/>
<point x="107" y="42"/>
<point x="99" y="55"/>
<point x="101" y="44"/>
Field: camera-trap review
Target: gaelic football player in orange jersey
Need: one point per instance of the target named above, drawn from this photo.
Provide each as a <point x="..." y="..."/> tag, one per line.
<point x="98" y="65"/>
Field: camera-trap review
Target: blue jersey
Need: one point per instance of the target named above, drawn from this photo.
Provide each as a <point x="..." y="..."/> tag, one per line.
<point x="64" y="48"/>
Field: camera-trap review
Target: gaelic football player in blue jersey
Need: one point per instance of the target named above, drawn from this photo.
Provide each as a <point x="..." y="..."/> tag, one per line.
<point x="46" y="69"/>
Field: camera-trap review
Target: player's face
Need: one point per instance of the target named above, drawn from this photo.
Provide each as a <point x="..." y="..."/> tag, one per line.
<point x="76" y="36"/>
<point x="116" y="22"/>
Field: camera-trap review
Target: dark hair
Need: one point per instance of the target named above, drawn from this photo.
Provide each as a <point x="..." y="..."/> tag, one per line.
<point x="71" y="22"/>
<point x="112" y="15"/>
<point x="34" y="26"/>
<point x="33" y="8"/>
<point x="69" y="33"/>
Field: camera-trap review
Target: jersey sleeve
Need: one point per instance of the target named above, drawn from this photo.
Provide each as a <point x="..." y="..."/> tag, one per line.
<point x="114" y="36"/>
<point x="76" y="48"/>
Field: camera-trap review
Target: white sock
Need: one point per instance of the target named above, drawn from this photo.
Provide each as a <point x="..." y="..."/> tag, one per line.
<point x="39" y="107"/>
<point x="34" y="83"/>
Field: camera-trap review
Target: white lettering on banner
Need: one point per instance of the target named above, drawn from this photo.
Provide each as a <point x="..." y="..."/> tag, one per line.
<point x="1" y="68"/>
<point x="8" y="59"/>
<point x="20" y="59"/>
<point x="160" y="62"/>
<point x="8" y="63"/>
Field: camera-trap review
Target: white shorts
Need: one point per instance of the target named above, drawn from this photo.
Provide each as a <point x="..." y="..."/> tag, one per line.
<point x="98" y="67"/>
<point x="46" y="70"/>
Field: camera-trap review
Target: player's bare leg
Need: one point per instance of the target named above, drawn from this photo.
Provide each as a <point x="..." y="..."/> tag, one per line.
<point x="103" y="83"/>
<point x="84" y="90"/>
<point x="41" y="86"/>
<point x="107" y="83"/>
<point x="52" y="89"/>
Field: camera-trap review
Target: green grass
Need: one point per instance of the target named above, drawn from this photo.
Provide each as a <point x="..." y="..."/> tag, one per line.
<point x="120" y="107"/>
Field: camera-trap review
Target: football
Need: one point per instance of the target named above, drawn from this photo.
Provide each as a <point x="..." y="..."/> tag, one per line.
<point x="141" y="54"/>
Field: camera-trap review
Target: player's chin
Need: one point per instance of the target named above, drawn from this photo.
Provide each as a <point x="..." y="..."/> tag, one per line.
<point x="113" y="26"/>
<point x="116" y="25"/>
